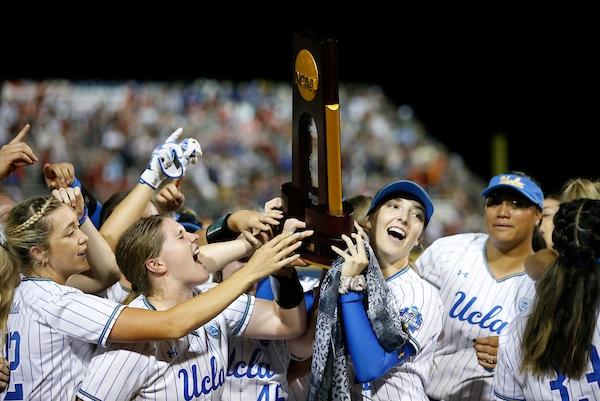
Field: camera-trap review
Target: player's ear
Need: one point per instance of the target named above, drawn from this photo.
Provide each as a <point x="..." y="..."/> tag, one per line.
<point x="37" y="254"/>
<point x="156" y="266"/>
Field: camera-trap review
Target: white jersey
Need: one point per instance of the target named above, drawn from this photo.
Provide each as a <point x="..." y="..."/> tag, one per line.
<point x="421" y="309"/>
<point x="475" y="305"/>
<point x="510" y="384"/>
<point x="298" y="388"/>
<point x="52" y="332"/>
<point x="257" y="370"/>
<point x="190" y="368"/>
<point x="116" y="293"/>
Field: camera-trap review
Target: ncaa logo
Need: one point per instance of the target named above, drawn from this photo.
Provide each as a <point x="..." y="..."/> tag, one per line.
<point x="523" y="304"/>
<point x="412" y="317"/>
<point x="213" y="330"/>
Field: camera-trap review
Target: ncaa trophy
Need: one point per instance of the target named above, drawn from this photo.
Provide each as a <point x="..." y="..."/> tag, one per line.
<point x="316" y="196"/>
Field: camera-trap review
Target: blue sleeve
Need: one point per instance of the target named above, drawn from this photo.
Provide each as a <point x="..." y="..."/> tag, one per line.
<point x="264" y="291"/>
<point x="370" y="360"/>
<point x="94" y="217"/>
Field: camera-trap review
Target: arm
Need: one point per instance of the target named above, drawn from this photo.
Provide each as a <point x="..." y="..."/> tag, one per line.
<point x="168" y="160"/>
<point x="126" y="213"/>
<point x="369" y="359"/>
<point x="302" y="347"/>
<point x="215" y="256"/>
<point x="103" y="271"/>
<point x="143" y="325"/>
<point x="269" y="321"/>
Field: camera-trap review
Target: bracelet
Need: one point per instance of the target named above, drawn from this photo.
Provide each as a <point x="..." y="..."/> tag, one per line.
<point x="356" y="283"/>
<point x="84" y="216"/>
<point x="287" y="291"/>
<point x="219" y="231"/>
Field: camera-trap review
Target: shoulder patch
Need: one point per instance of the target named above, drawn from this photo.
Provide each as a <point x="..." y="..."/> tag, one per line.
<point x="213" y="330"/>
<point x="524" y="304"/>
<point x="412" y="317"/>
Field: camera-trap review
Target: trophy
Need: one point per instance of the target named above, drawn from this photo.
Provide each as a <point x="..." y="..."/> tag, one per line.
<point x="316" y="196"/>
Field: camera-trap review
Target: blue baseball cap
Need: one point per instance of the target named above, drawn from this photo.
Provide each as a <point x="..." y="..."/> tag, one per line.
<point x="407" y="188"/>
<point x="518" y="183"/>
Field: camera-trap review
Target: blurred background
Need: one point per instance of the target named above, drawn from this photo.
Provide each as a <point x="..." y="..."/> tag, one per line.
<point x="425" y="107"/>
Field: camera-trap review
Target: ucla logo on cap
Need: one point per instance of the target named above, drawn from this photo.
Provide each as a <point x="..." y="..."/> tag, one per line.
<point x="512" y="180"/>
<point x="412" y="317"/>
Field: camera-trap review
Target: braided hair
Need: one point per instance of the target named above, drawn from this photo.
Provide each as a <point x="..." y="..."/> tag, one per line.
<point x="560" y="328"/>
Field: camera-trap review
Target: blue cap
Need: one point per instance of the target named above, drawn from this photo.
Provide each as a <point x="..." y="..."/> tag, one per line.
<point x="403" y="187"/>
<point x="519" y="183"/>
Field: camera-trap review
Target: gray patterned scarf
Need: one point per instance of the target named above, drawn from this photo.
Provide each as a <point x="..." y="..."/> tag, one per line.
<point x="329" y="368"/>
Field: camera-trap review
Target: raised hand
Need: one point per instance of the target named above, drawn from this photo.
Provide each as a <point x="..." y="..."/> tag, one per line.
<point x="273" y="204"/>
<point x="355" y="256"/>
<point x="170" y="198"/>
<point x="275" y="254"/>
<point x="58" y="175"/>
<point x="170" y="160"/>
<point x="16" y="154"/>
<point x="71" y="197"/>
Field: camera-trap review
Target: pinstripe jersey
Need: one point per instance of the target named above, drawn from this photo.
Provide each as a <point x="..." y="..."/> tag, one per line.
<point x="190" y="368"/>
<point x="257" y="370"/>
<point x="298" y="389"/>
<point x="475" y="305"/>
<point x="510" y="384"/>
<point x="422" y="310"/>
<point x="53" y="330"/>
<point x="116" y="293"/>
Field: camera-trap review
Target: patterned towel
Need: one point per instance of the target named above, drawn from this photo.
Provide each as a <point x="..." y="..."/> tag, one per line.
<point x="329" y="364"/>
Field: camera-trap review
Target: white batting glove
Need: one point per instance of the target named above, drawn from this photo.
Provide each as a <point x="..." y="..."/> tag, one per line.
<point x="165" y="162"/>
<point x="191" y="151"/>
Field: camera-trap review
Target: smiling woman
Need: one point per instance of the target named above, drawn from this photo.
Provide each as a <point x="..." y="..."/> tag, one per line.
<point x="390" y="348"/>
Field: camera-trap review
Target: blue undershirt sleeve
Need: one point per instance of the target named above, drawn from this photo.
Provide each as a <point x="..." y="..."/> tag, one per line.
<point x="369" y="359"/>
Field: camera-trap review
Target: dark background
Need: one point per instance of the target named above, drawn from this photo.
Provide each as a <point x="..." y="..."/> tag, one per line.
<point x="539" y="85"/>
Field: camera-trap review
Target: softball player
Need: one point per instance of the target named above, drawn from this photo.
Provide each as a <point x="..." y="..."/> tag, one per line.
<point x="398" y="214"/>
<point x="483" y="287"/>
<point x="152" y="253"/>
<point x="553" y="352"/>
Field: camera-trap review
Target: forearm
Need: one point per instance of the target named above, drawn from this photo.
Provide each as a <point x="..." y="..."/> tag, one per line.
<point x="369" y="359"/>
<point x="128" y="212"/>
<point x="103" y="271"/>
<point x="216" y="256"/>
<point x="292" y="321"/>
<point x="302" y="347"/>
<point x="135" y="325"/>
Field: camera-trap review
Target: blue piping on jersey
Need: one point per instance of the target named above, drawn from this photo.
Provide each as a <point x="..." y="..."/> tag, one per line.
<point x="243" y="319"/>
<point x="503" y="397"/>
<point x="88" y="395"/>
<point x="491" y="273"/>
<point x="398" y="273"/>
<point x="110" y="319"/>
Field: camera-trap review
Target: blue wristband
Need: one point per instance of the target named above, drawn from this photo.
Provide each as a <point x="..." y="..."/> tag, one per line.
<point x="84" y="216"/>
<point x="75" y="183"/>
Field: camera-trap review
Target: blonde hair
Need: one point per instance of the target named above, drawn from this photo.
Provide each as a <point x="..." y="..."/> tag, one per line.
<point x="25" y="227"/>
<point x="578" y="188"/>
<point x="140" y="242"/>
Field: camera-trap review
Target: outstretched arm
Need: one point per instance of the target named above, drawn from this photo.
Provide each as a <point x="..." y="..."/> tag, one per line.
<point x="134" y="325"/>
